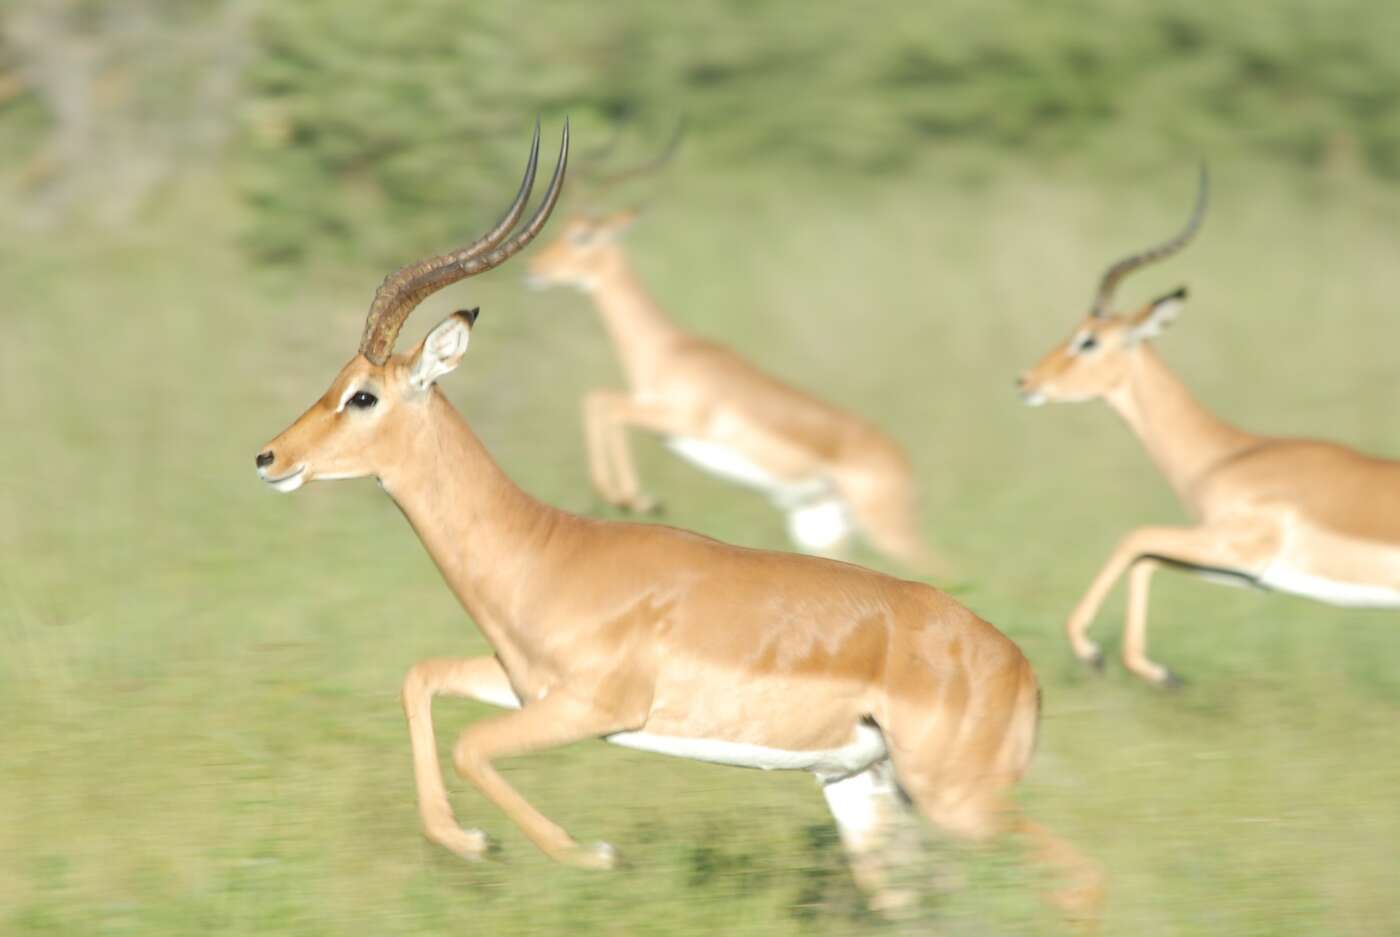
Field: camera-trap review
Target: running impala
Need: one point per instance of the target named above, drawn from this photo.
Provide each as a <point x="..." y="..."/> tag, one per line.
<point x="659" y="639"/>
<point x="830" y="471"/>
<point x="1301" y="516"/>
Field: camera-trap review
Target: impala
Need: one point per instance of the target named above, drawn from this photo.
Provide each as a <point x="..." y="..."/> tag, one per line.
<point x="659" y="639"/>
<point x="831" y="472"/>
<point x="1300" y="516"/>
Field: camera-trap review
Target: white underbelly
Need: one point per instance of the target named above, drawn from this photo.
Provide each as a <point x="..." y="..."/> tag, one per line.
<point x="867" y="748"/>
<point x="832" y="764"/>
<point x="726" y="462"/>
<point x="1349" y="594"/>
<point x="818" y="518"/>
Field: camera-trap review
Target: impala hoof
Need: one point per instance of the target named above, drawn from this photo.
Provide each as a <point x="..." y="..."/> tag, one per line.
<point x="643" y="504"/>
<point x="1170" y="681"/>
<point x="472" y="845"/>
<point x="595" y="856"/>
<point x="894" y="903"/>
<point x="476" y="846"/>
<point x="1093" y="659"/>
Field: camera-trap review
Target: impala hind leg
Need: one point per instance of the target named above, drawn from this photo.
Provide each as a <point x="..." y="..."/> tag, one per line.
<point x="956" y="756"/>
<point x="886" y="512"/>
<point x="977" y="814"/>
<point x="479" y="678"/>
<point x="867" y="808"/>
<point x="1135" y="629"/>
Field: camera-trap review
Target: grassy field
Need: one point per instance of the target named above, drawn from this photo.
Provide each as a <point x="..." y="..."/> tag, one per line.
<point x="199" y="680"/>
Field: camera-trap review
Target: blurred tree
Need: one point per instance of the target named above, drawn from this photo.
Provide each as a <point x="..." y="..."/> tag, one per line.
<point x="128" y="93"/>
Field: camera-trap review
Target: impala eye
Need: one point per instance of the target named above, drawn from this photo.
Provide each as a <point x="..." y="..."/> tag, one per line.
<point x="1087" y="343"/>
<point x="582" y="237"/>
<point x="362" y="400"/>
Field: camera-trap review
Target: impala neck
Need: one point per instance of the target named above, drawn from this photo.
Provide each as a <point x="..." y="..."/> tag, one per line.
<point x="640" y="331"/>
<point x="484" y="533"/>
<point x="1184" y="438"/>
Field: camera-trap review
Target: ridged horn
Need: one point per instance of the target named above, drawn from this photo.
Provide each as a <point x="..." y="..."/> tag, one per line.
<point x="403" y="290"/>
<point x="1128" y="264"/>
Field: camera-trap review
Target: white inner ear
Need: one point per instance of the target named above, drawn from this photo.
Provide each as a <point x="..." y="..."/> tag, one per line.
<point x="1162" y="315"/>
<point x="442" y="351"/>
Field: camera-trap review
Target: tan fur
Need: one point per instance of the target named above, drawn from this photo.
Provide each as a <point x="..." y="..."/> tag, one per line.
<point x="601" y="628"/>
<point x="680" y="385"/>
<point x="1268" y="510"/>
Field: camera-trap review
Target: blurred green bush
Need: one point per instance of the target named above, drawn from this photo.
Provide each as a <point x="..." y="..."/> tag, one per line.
<point x="365" y="115"/>
<point x="350" y="124"/>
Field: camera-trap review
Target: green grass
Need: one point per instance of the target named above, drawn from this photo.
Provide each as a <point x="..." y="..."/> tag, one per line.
<point x="199" y="680"/>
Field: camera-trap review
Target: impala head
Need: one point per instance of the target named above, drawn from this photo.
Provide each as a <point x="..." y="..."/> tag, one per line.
<point x="588" y="246"/>
<point x="1094" y="359"/>
<point x="379" y="398"/>
<point x="583" y="253"/>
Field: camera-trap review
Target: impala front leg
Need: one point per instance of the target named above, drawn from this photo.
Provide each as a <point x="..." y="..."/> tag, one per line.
<point x="1204" y="547"/>
<point x="556" y="720"/>
<point x="1135" y="628"/>
<point x="607" y="415"/>
<point x="479" y="678"/>
<point x="597" y="429"/>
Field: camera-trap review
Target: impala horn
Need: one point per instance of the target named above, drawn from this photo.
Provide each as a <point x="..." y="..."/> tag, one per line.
<point x="600" y="183"/>
<point x="1128" y="264"/>
<point x="403" y="290"/>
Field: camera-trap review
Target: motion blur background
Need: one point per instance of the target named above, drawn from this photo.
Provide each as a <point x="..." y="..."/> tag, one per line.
<point x="898" y="205"/>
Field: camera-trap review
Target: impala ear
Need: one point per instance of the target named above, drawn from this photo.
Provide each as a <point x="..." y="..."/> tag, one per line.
<point x="1156" y="316"/>
<point x="442" y="349"/>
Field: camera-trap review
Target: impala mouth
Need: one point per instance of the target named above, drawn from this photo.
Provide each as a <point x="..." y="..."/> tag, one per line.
<point x="287" y="483"/>
<point x="1033" y="398"/>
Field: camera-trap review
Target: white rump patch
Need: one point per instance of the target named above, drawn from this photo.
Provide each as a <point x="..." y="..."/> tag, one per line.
<point x="1346" y="594"/>
<point x="864" y="750"/>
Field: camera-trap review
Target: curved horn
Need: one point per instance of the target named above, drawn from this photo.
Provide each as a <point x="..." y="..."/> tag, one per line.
<point x="603" y="151"/>
<point x="607" y="181"/>
<point x="403" y="290"/>
<point x="1162" y="251"/>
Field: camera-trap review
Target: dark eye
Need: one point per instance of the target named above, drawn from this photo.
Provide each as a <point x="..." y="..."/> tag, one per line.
<point x="1088" y="342"/>
<point x="582" y="236"/>
<point x="362" y="399"/>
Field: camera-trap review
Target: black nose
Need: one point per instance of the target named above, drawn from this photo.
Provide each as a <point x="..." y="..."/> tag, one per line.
<point x="265" y="459"/>
<point x="1020" y="380"/>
